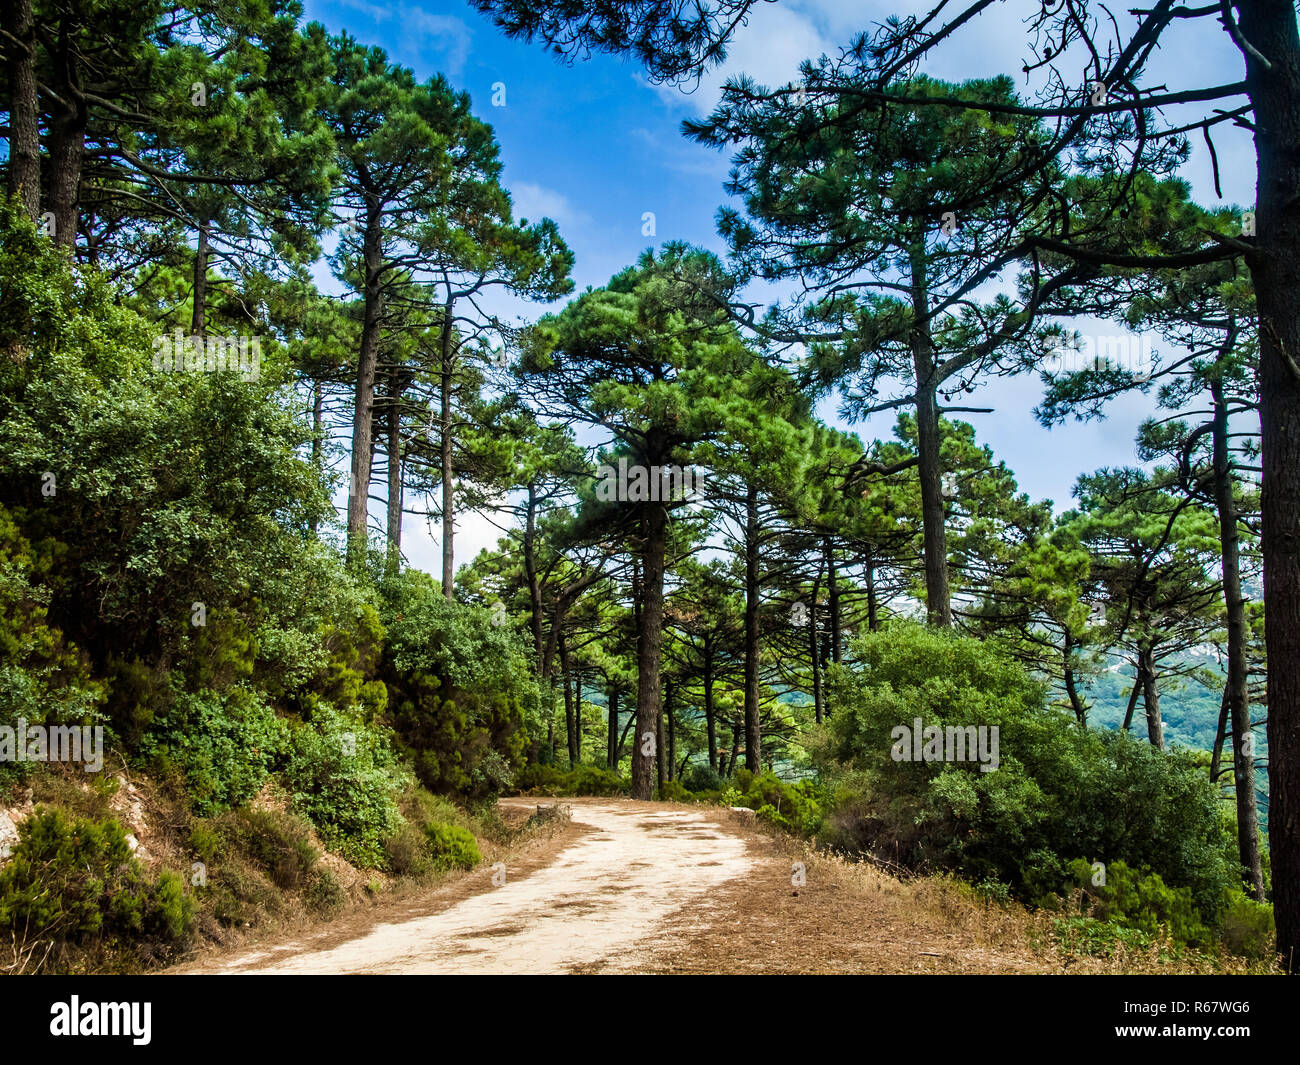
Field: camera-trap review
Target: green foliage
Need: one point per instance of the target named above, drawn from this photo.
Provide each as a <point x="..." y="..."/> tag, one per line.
<point x="1136" y="908"/>
<point x="225" y="744"/>
<point x="185" y="488"/>
<point x="75" y="883"/>
<point x="701" y="777"/>
<point x="794" y="807"/>
<point x="452" y="847"/>
<point x="344" y="779"/>
<point x="324" y="894"/>
<point x="1058" y="788"/>
<point x="276" y="841"/>
<point x="434" y="835"/>
<point x="407" y="851"/>
<point x="257" y="859"/>
<point x="44" y="678"/>
<point x="1247" y="927"/>
<point x="1089" y="936"/>
<point x="581" y="780"/>
<point x="205" y="842"/>
<point x="460" y="686"/>
<point x="672" y="791"/>
<point x="1135" y="899"/>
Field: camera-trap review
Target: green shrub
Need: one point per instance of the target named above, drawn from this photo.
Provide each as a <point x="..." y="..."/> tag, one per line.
<point x="595" y="780"/>
<point x="436" y="834"/>
<point x="169" y="913"/>
<point x="1058" y="789"/>
<point x="460" y="688"/>
<point x="546" y="779"/>
<point x="791" y="806"/>
<point x="43" y="676"/>
<point x="672" y="791"/>
<point x="408" y="852"/>
<point x="581" y="780"/>
<point x="1088" y="935"/>
<point x="452" y="847"/>
<point x="324" y="894"/>
<point x="700" y="777"/>
<point x="75" y="883"/>
<point x="206" y="842"/>
<point x="1247" y="927"/>
<point x="422" y="807"/>
<point x="1139" y="900"/>
<point x="278" y="842"/>
<point x="241" y="896"/>
<point x="225" y="744"/>
<point x="345" y="780"/>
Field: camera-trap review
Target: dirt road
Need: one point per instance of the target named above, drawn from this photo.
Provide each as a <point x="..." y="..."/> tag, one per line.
<point x="615" y="885"/>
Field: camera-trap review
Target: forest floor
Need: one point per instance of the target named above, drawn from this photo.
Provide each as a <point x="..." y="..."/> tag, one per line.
<point x="630" y="887"/>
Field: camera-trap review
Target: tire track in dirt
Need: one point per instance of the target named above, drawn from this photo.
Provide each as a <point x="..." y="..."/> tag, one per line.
<point x="637" y="864"/>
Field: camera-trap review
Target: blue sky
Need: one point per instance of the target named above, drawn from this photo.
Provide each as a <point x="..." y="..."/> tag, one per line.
<point x="595" y="146"/>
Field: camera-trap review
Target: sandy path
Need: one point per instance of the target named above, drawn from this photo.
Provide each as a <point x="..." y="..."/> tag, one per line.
<point x="603" y="893"/>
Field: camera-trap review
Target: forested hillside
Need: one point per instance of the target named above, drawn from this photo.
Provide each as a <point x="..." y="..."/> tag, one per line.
<point x="256" y="294"/>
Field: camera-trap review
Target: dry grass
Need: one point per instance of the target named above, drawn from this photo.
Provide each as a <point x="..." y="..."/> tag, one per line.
<point x="852" y="917"/>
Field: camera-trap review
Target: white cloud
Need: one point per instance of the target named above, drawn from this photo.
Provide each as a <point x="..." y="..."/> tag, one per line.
<point x="534" y="202"/>
<point x="683" y="156"/>
<point x="422" y="540"/>
<point x="769" y="49"/>
<point x="422" y="32"/>
<point x="448" y="34"/>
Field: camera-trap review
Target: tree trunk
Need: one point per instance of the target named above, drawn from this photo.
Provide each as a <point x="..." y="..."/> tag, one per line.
<point x="1071" y="689"/>
<point x="1151" y="700"/>
<point x="873" y="609"/>
<point x="24" y="109"/>
<point x="317" y="431"/>
<point x="649" y="645"/>
<point x="1220" y="733"/>
<point x="199" y="313"/>
<point x="815" y="651"/>
<point x="568" y="700"/>
<point x="569" y="726"/>
<point x="832" y="576"/>
<point x="364" y="402"/>
<point x="753" y="734"/>
<point x="394" y="524"/>
<point x="710" y="724"/>
<point x="530" y="572"/>
<point x="67" y="143"/>
<point x="1270" y="27"/>
<point x="1132" y="699"/>
<point x="672" y="731"/>
<point x="444" y="452"/>
<point x="661" y="749"/>
<point x="1236" y="687"/>
<point x="612" y="759"/>
<point x="622" y="739"/>
<point x="317" y="421"/>
<point x="577" y="717"/>
<point x="937" y="595"/>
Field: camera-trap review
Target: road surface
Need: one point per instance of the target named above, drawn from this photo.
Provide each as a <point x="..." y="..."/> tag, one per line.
<point x="615" y="885"/>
